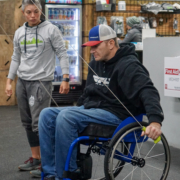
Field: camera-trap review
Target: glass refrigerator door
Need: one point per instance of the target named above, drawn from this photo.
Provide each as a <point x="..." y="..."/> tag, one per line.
<point x="68" y="19"/>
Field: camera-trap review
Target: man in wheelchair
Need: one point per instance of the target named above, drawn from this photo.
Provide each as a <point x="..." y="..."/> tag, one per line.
<point x="117" y="68"/>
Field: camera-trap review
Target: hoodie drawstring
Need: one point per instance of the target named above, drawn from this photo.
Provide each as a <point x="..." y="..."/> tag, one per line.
<point x="25" y="41"/>
<point x="36" y="37"/>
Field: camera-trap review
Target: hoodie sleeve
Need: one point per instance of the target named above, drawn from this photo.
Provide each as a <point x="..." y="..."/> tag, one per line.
<point x="60" y="50"/>
<point x="16" y="57"/>
<point x="138" y="88"/>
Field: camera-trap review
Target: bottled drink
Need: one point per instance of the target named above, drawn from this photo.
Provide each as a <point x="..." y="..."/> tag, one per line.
<point x="60" y="14"/>
<point x="55" y="13"/>
<point x="49" y="13"/>
<point x="65" y="14"/>
<point x="72" y="14"/>
<point x="52" y="15"/>
<point x="68" y="14"/>
<point x="55" y="76"/>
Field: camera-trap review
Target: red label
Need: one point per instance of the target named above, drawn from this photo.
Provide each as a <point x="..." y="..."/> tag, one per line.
<point x="172" y="71"/>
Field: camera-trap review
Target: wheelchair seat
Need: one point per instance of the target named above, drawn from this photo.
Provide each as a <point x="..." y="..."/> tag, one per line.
<point x="98" y="130"/>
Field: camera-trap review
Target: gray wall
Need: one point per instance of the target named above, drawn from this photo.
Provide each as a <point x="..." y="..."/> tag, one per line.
<point x="154" y="51"/>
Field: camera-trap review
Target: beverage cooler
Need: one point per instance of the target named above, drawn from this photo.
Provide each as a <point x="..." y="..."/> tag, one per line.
<point x="68" y="18"/>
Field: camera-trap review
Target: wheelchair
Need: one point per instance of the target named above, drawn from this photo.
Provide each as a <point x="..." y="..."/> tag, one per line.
<point x="119" y="153"/>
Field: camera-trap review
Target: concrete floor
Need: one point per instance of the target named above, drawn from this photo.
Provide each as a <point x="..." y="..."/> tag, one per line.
<point x="14" y="148"/>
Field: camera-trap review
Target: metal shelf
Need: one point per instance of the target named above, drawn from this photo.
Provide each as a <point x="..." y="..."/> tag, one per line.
<point x="162" y="11"/>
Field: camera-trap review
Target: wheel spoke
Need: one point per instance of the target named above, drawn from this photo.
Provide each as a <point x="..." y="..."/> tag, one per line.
<point x="137" y="145"/>
<point x="142" y="142"/>
<point x="154" y="156"/>
<point x="154" y="167"/>
<point x="130" y="173"/>
<point x="122" y="166"/>
<point x="127" y="149"/>
<point x="146" y="175"/>
<point x="150" y="150"/>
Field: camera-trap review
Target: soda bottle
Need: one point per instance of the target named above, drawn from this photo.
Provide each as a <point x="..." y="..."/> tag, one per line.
<point x="55" y="13"/>
<point x="55" y="76"/>
<point x="68" y="14"/>
<point x="49" y="13"/>
<point x="65" y="14"/>
<point x="60" y="14"/>
<point x="72" y="14"/>
<point x="52" y="15"/>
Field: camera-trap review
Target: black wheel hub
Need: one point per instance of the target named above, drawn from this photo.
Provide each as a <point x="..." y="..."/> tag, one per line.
<point x="138" y="162"/>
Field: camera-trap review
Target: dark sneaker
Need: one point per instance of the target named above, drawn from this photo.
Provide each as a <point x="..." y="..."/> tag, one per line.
<point x="36" y="173"/>
<point x="30" y="164"/>
<point x="50" y="178"/>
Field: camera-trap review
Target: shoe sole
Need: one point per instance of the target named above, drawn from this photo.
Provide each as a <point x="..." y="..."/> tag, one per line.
<point x="28" y="169"/>
<point x="33" y="175"/>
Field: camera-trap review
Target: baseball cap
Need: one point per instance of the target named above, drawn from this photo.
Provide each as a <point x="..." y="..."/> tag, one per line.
<point x="99" y="34"/>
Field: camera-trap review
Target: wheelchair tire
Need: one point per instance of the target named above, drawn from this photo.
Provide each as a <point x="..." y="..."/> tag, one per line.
<point x="156" y="163"/>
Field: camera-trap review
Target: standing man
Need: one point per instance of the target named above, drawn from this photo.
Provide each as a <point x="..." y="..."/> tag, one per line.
<point x="35" y="45"/>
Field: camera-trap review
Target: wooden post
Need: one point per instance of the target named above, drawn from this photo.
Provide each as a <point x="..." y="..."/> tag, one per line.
<point x="87" y="25"/>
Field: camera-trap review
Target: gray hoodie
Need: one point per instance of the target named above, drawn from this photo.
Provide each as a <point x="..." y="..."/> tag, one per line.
<point x="133" y="35"/>
<point x="34" y="52"/>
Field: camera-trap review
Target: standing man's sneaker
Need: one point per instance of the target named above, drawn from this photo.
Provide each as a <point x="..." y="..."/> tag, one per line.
<point x="30" y="164"/>
<point x="36" y="173"/>
<point x="50" y="178"/>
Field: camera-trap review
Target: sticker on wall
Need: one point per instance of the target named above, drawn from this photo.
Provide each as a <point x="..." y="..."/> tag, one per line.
<point x="172" y="76"/>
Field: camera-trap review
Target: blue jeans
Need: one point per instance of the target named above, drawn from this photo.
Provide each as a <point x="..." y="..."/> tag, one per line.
<point x="59" y="127"/>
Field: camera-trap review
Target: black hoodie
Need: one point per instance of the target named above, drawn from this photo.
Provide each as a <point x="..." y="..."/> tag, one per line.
<point x="129" y="80"/>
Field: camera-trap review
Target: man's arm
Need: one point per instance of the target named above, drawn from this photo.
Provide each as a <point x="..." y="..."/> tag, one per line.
<point x="140" y="89"/>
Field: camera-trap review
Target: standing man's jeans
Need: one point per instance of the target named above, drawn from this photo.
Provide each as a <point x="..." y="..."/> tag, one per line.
<point x="59" y="127"/>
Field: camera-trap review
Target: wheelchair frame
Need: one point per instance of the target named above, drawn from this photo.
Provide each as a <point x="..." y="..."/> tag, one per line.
<point x="130" y="139"/>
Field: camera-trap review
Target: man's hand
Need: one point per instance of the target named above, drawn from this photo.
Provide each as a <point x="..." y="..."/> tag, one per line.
<point x="153" y="131"/>
<point x="64" y="88"/>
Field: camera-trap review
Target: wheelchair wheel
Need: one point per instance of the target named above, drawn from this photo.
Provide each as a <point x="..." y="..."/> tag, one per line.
<point x="98" y="163"/>
<point x="145" y="160"/>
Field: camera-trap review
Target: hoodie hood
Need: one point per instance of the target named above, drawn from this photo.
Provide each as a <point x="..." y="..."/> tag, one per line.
<point x="125" y="49"/>
<point x="138" y="27"/>
<point x="41" y="24"/>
